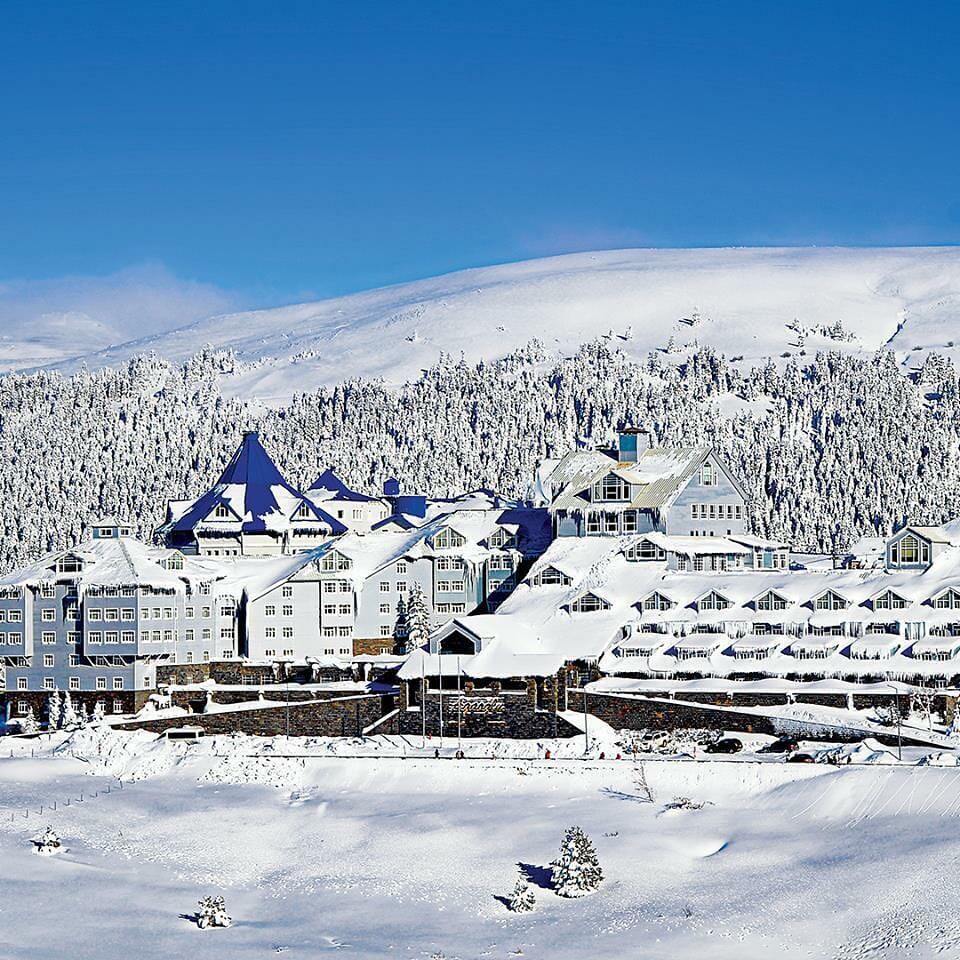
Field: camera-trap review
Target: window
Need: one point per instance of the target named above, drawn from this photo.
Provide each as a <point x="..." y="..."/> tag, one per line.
<point x="384" y="586"/>
<point x="128" y="613"/>
<point x="551" y="576"/>
<point x="95" y="614"/>
<point x="74" y="683"/>
<point x="288" y="609"/>
<point x="401" y="586"/>
<point x="589" y="603"/>
<point x="48" y="636"/>
<point x="772" y="601"/>
<point x="708" y="475"/>
<point x="22" y="683"/>
<point x="112" y="636"/>
<point x="657" y="601"/>
<point x="269" y="610"/>
<point x="95" y="637"/>
<point x="384" y="630"/>
<point x="889" y="601"/>
<point x="270" y="632"/>
<point x="205" y="613"/>
<point x="111" y="613"/>
<point x="629" y="518"/>
<point x="335" y="561"/>
<point x="287" y="591"/>
<point x="401" y="568"/>
<point x="909" y="551"/>
<point x="101" y="683"/>
<point x="287" y="633"/>
<point x="612" y="487"/>
<point x="830" y="601"/>
<point x="48" y="614"/>
<point x="303" y="512"/>
<point x="48" y="659"/>
<point x="74" y="660"/>
<point x="593" y="524"/>
<point x="69" y="564"/>
<point x="175" y="562"/>
<point x="189" y="656"/>
<point x="447" y="538"/>
<point x="385" y="609"/>
<point x="220" y="512"/>
<point x="449" y="563"/>
<point x="713" y="601"/>
<point x="645" y="550"/>
<point x="48" y="683"/>
<point x="226" y="633"/>
<point x="15" y="616"/>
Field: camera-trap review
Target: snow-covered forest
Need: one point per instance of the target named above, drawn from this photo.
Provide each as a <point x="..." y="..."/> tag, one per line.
<point x="829" y="447"/>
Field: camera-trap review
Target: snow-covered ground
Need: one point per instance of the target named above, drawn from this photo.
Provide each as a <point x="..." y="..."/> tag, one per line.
<point x="754" y="303"/>
<point x="382" y="856"/>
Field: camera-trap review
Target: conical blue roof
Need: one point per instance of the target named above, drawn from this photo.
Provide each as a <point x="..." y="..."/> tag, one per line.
<point x="255" y="492"/>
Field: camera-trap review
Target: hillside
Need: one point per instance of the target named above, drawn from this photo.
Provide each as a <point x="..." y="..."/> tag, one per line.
<point x="753" y="303"/>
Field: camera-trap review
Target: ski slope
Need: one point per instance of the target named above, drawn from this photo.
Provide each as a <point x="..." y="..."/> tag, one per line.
<point x="755" y="303"/>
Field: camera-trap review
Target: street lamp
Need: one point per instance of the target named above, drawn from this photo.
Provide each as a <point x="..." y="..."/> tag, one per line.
<point x="896" y="707"/>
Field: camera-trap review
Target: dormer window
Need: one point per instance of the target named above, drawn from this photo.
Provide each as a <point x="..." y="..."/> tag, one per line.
<point x="645" y="550"/>
<point x="948" y="600"/>
<point x="446" y="538"/>
<point x="303" y="512"/>
<point x="221" y="512"/>
<point x="589" y="603"/>
<point x="174" y="562"/>
<point x="69" y="564"/>
<point x="889" y="601"/>
<point x="772" y="601"/>
<point x="612" y="487"/>
<point x="657" y="601"/>
<point x="713" y="601"/>
<point x="909" y="551"/>
<point x="335" y="562"/>
<point x="551" y="577"/>
<point x="708" y="475"/>
<point x="830" y="601"/>
<point x="501" y="538"/>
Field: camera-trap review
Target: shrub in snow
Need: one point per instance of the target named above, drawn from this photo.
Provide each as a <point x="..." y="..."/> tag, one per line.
<point x="68" y="715"/>
<point x="212" y="913"/>
<point x="29" y="723"/>
<point x="47" y="843"/>
<point x="576" y="871"/>
<point x="54" y="711"/>
<point x="99" y="712"/>
<point x="522" y="899"/>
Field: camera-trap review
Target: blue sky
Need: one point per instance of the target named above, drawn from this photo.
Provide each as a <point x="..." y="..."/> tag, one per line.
<point x="268" y="152"/>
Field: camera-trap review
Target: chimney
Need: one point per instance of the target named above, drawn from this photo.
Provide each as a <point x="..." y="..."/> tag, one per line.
<point x="631" y="442"/>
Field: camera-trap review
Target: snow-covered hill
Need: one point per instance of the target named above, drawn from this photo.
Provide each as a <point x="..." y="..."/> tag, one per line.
<point x="753" y="303"/>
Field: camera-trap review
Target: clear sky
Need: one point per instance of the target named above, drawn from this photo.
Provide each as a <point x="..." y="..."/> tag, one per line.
<point x="283" y="150"/>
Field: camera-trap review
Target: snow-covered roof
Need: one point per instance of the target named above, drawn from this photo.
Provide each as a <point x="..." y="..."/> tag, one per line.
<point x="256" y="497"/>
<point x="328" y="486"/>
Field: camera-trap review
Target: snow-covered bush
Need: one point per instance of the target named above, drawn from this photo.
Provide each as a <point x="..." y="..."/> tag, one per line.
<point x="522" y="899"/>
<point x="47" y="843"/>
<point x="54" y="711"/>
<point x="68" y="715"/>
<point x="29" y="723"/>
<point x="576" y="871"/>
<point x="212" y="913"/>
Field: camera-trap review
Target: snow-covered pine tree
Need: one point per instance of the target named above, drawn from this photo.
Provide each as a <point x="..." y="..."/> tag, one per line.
<point x="29" y="723"/>
<point x="522" y="899"/>
<point x="98" y="712"/>
<point x="212" y="913"/>
<point x="418" y="615"/>
<point x="402" y="628"/>
<point x="54" y="711"/>
<point x="576" y="871"/>
<point x="68" y="715"/>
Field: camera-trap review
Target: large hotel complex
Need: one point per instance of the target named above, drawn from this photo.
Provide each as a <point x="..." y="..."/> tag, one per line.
<point x="634" y="564"/>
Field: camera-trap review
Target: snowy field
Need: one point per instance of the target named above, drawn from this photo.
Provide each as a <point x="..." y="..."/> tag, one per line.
<point x="383" y="856"/>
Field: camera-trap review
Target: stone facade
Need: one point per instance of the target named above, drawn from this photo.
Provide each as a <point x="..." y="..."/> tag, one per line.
<point x="343" y="717"/>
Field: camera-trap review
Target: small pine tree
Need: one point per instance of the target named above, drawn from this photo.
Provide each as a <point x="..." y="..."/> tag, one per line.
<point x="98" y="712"/>
<point x="522" y="899"/>
<point x="29" y="723"/>
<point x="212" y="913"/>
<point x="68" y="715"/>
<point x="576" y="871"/>
<point x="418" y="615"/>
<point x="402" y="628"/>
<point x="54" y="711"/>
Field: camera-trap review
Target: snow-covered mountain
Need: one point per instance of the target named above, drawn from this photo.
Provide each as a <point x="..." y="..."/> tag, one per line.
<point x="753" y="303"/>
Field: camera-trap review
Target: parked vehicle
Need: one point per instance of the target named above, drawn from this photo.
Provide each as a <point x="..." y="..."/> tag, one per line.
<point x="783" y="745"/>
<point x="725" y="745"/>
<point x="801" y="758"/>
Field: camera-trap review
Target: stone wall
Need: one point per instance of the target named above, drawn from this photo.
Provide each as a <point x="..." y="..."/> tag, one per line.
<point x="196" y="699"/>
<point x="221" y="671"/>
<point x="132" y="701"/>
<point x="487" y="710"/>
<point x="344" y="717"/>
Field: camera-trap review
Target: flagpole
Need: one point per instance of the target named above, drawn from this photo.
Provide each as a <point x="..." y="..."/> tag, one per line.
<point x="440" y="675"/>
<point x="459" y="707"/>
<point x="423" y="699"/>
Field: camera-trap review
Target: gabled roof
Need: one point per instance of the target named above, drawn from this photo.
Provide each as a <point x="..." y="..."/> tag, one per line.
<point x="255" y="491"/>
<point x="656" y="478"/>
